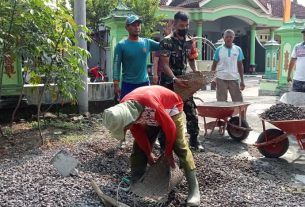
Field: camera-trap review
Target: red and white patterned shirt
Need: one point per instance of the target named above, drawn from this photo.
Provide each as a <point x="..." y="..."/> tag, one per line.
<point x="161" y="103"/>
<point x="148" y="116"/>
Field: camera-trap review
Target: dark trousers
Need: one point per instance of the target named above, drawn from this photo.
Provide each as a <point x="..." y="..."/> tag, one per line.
<point x="138" y="159"/>
<point x="298" y="86"/>
<point x="128" y="87"/>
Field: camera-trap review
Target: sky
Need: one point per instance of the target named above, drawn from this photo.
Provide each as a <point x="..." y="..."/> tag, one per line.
<point x="301" y="2"/>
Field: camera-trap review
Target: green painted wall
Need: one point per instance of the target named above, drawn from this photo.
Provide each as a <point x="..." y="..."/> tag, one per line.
<point x="268" y="88"/>
<point x="117" y="33"/>
<point x="11" y="85"/>
<point x="290" y="34"/>
<point x="248" y="13"/>
<point x="289" y="40"/>
<point x="199" y="30"/>
<point x="268" y="85"/>
<point x="220" y="3"/>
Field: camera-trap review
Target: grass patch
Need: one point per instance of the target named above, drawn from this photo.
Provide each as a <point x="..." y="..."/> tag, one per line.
<point x="7" y="131"/>
<point x="58" y="124"/>
<point x="73" y="138"/>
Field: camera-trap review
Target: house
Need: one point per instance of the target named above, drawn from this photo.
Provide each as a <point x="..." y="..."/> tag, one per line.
<point x="254" y="22"/>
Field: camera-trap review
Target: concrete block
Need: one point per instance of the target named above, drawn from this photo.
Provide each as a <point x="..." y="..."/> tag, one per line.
<point x="51" y="96"/>
<point x="99" y="91"/>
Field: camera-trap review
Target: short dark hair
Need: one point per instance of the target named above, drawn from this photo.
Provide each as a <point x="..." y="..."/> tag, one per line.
<point x="181" y="16"/>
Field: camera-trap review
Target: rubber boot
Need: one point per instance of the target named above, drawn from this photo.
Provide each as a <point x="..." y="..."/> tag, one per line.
<point x="195" y="143"/>
<point x="193" y="198"/>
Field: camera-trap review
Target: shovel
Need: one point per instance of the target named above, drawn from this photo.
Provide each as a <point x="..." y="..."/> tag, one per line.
<point x="65" y="163"/>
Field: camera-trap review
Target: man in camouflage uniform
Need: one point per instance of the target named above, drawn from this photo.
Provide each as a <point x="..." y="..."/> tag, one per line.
<point x="175" y="50"/>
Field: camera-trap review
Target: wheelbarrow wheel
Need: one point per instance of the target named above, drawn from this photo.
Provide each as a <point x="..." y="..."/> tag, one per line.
<point x="275" y="150"/>
<point x="238" y="134"/>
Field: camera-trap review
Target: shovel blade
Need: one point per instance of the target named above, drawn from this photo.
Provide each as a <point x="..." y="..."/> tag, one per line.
<point x="64" y="163"/>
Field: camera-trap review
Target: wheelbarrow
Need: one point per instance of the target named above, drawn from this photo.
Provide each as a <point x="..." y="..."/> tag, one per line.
<point x="274" y="143"/>
<point x="226" y="117"/>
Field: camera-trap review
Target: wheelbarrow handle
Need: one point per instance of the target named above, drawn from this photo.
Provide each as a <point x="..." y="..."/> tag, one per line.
<point x="273" y="141"/>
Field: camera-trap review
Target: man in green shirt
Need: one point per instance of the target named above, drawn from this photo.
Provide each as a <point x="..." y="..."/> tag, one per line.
<point x="131" y="54"/>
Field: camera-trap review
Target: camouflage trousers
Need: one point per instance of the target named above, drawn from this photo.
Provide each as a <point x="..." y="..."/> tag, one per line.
<point x="190" y="113"/>
<point x="191" y="117"/>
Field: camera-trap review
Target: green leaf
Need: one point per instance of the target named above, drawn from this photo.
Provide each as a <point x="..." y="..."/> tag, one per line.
<point x="46" y="38"/>
<point x="68" y="26"/>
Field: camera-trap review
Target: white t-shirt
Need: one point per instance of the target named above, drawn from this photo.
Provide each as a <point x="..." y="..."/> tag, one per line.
<point x="227" y="59"/>
<point x="298" y="52"/>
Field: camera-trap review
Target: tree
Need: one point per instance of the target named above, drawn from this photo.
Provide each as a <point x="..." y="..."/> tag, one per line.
<point x="43" y="33"/>
<point x="95" y="11"/>
<point x="147" y="9"/>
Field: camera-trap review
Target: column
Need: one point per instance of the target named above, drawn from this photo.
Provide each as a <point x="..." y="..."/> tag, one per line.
<point x="109" y="64"/>
<point x="271" y="59"/>
<point x="80" y="19"/>
<point x="252" y="46"/>
<point x="271" y="34"/>
<point x="199" y="41"/>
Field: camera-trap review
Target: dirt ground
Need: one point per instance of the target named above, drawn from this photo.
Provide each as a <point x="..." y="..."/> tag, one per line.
<point x="230" y="173"/>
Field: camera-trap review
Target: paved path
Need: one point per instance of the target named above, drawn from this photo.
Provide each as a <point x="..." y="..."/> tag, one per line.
<point x="258" y="105"/>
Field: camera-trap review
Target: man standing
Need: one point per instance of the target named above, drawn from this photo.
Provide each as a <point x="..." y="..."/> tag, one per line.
<point x="132" y="54"/>
<point x="298" y="59"/>
<point x="145" y="111"/>
<point x="157" y="65"/>
<point x="228" y="63"/>
<point x="175" y="51"/>
<point x="158" y="68"/>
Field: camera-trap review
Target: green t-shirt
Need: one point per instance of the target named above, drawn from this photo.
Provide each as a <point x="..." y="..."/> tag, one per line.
<point x="132" y="56"/>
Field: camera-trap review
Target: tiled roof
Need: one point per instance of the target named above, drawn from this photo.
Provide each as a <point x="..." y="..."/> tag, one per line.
<point x="190" y="3"/>
<point x="264" y="2"/>
<point x="299" y="11"/>
<point x="176" y="2"/>
<point x="278" y="9"/>
<point x="276" y="6"/>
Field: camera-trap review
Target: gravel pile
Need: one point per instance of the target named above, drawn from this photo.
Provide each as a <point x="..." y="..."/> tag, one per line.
<point x="30" y="179"/>
<point x="283" y="111"/>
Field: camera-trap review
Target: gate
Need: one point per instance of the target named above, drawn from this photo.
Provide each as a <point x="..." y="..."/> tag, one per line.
<point x="208" y="50"/>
